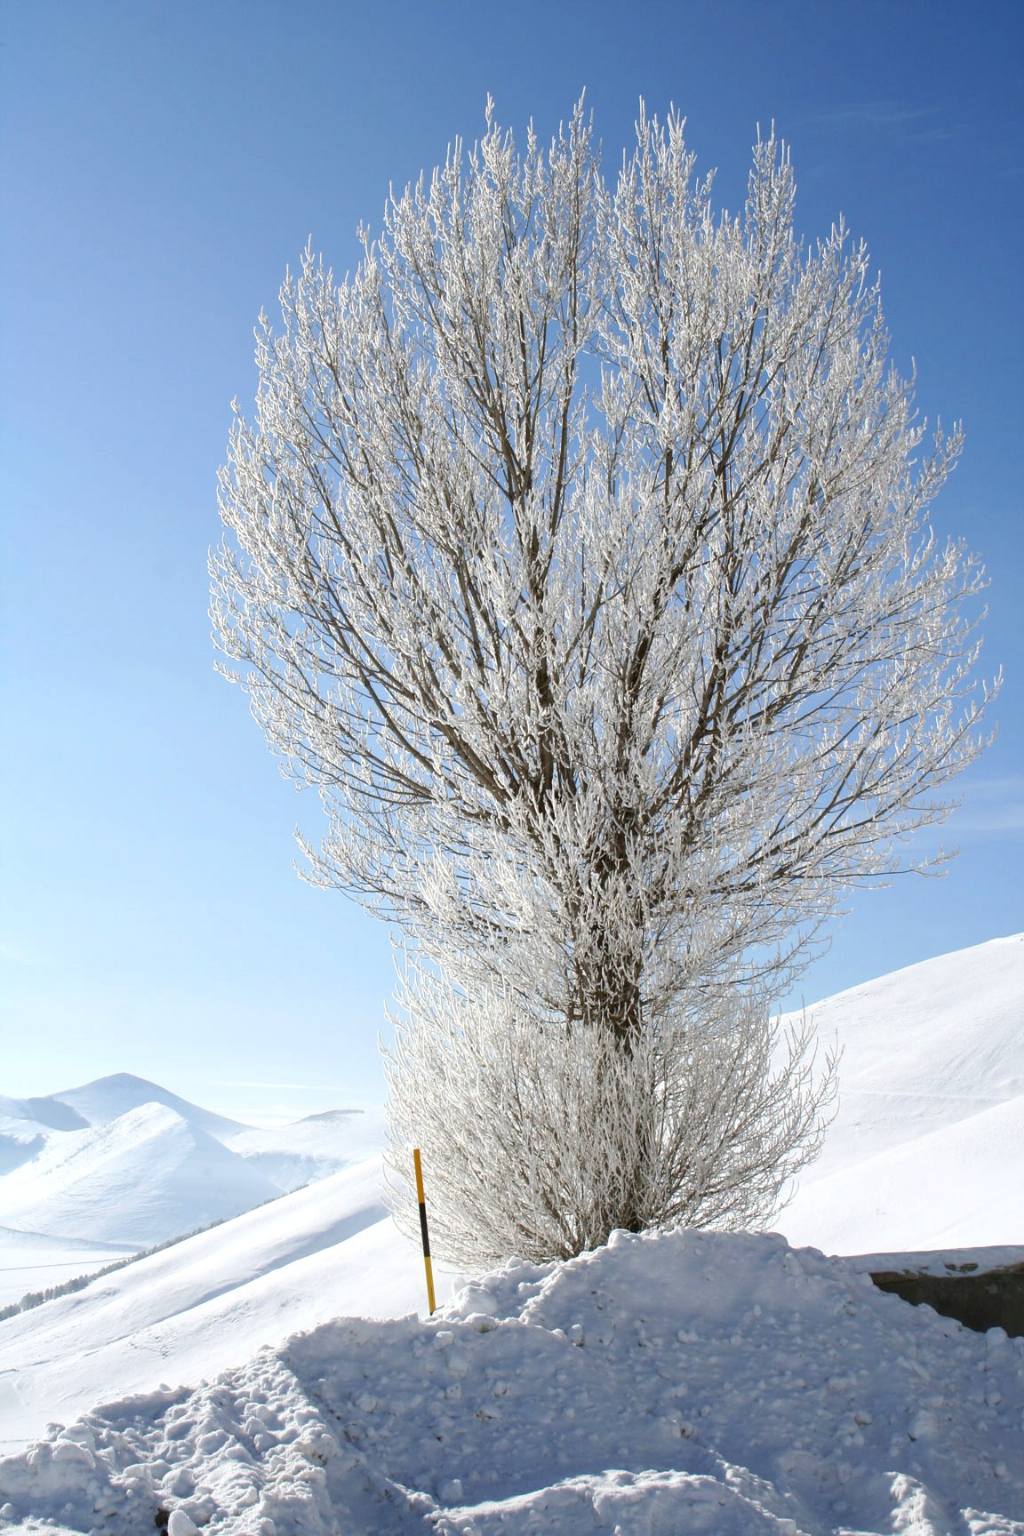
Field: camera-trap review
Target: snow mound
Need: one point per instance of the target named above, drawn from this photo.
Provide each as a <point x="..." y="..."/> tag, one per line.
<point x="136" y="1180"/>
<point x="665" y="1384"/>
<point x="927" y="1148"/>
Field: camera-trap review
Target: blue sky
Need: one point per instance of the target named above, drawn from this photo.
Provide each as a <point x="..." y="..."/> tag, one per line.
<point x="162" y="163"/>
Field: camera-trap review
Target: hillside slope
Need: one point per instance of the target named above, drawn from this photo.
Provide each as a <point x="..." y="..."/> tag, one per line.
<point x="20" y="1140"/>
<point x="124" y="1161"/>
<point x="210" y="1302"/>
<point x="291" y="1155"/>
<point x="957" y="1187"/>
<point x="927" y="1147"/>
<point x="34" y="1262"/>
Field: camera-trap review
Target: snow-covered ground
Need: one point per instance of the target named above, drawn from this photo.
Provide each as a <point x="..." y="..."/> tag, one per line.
<point x="34" y="1262"/>
<point x="210" y="1302"/>
<point x="662" y="1385"/>
<point x="776" y="1391"/>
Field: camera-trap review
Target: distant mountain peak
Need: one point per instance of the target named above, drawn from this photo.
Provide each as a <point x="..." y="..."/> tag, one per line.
<point x="329" y="1114"/>
<point x="118" y="1079"/>
<point x="148" y="1173"/>
<point x="107" y="1098"/>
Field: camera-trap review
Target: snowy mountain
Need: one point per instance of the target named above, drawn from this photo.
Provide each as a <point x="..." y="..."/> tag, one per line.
<point x="42" y="1114"/>
<point x="927" y="1148"/>
<point x="106" y="1099"/>
<point x="142" y="1177"/>
<point x="666" y="1384"/>
<point x="123" y="1163"/>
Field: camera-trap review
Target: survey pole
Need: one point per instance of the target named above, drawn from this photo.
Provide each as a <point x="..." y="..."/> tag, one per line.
<point x="418" y="1165"/>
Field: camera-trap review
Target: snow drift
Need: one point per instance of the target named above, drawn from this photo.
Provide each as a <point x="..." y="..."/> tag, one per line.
<point x="668" y="1384"/>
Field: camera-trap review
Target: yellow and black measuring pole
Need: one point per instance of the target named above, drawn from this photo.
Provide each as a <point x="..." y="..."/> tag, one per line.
<point x="417" y="1164"/>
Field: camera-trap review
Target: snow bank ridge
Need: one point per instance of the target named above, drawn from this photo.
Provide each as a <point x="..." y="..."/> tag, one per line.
<point x="663" y="1385"/>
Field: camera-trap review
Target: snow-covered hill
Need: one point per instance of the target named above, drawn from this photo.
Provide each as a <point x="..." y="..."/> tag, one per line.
<point x="135" y="1180"/>
<point x="927" y="1148"/>
<point x="292" y="1155"/>
<point x="19" y="1141"/>
<point x="42" y="1114"/>
<point x="210" y="1302"/>
<point x="661" y="1386"/>
<point x="35" y="1262"/>
<point x="106" y="1099"/>
<point x="124" y="1162"/>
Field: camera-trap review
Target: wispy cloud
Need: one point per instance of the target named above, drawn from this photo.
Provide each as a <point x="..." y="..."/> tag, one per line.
<point x="291" y="1087"/>
<point x="16" y="954"/>
<point x="921" y="124"/>
<point x="992" y="805"/>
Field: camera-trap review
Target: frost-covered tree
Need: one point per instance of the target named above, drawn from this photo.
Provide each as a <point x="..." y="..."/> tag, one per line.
<point x="541" y="1137"/>
<point x="578" y="554"/>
